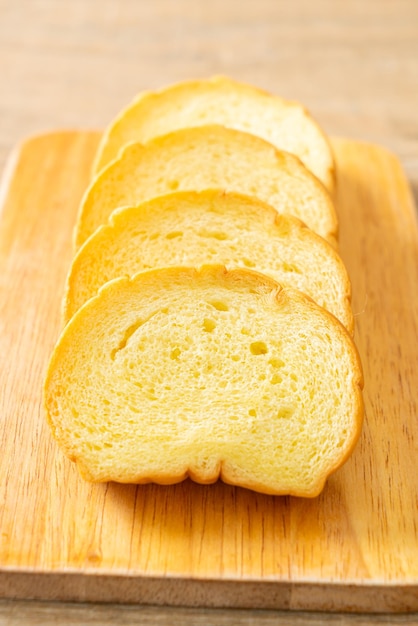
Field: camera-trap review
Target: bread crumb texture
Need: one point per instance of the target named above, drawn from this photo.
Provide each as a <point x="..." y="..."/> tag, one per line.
<point x="205" y="373"/>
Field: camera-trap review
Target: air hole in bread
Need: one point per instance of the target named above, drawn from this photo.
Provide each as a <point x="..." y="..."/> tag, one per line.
<point x="258" y="347"/>
<point x="276" y="362"/>
<point x="175" y="353"/>
<point x="252" y="412"/>
<point x="219" y="305"/>
<point x="174" y="234"/>
<point x="131" y="330"/>
<point x="173" y="184"/>
<point x="208" y="325"/>
<point x="248" y="262"/>
<point x="290" y="267"/>
<point x="213" y="234"/>
<point x="128" y="334"/>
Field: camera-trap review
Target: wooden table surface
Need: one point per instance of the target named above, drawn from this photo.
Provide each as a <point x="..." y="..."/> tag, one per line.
<point x="75" y="64"/>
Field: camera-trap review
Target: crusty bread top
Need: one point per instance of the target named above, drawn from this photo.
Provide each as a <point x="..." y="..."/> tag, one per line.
<point x="208" y="157"/>
<point x="207" y="374"/>
<point x="220" y="100"/>
<point x="197" y="228"/>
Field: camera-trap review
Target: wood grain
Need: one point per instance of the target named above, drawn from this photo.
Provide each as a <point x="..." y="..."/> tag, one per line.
<point x="354" y="548"/>
<point x="76" y="64"/>
<point x="22" y="613"/>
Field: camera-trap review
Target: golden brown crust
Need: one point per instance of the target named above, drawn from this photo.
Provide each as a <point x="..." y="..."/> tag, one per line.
<point x="109" y="244"/>
<point x="119" y="184"/>
<point x="146" y="102"/>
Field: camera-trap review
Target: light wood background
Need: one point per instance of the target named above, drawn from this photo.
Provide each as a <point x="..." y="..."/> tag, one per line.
<point x="75" y="64"/>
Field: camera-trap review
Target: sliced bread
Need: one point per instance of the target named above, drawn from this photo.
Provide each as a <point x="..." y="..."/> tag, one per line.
<point x="196" y="228"/>
<point x="207" y="374"/>
<point x="220" y="100"/>
<point x="208" y="157"/>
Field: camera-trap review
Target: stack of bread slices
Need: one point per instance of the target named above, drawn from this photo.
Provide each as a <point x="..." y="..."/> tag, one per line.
<point x="208" y="325"/>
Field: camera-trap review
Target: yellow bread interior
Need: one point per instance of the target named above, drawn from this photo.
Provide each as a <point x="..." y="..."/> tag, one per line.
<point x="208" y="157"/>
<point x="205" y="373"/>
<point x="196" y="228"/>
<point x="220" y="100"/>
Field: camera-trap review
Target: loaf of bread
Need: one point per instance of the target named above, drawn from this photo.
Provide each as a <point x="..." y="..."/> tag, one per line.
<point x="211" y="373"/>
<point x="208" y="321"/>
<point x="202" y="158"/>
<point x="195" y="228"/>
<point x="220" y="100"/>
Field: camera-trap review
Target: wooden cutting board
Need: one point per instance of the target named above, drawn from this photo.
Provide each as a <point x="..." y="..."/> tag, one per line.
<point x="353" y="548"/>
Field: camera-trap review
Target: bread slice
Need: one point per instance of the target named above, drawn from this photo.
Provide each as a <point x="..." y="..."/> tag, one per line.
<point x="220" y="100"/>
<point x="211" y="373"/>
<point x="208" y="157"/>
<point x="196" y="228"/>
